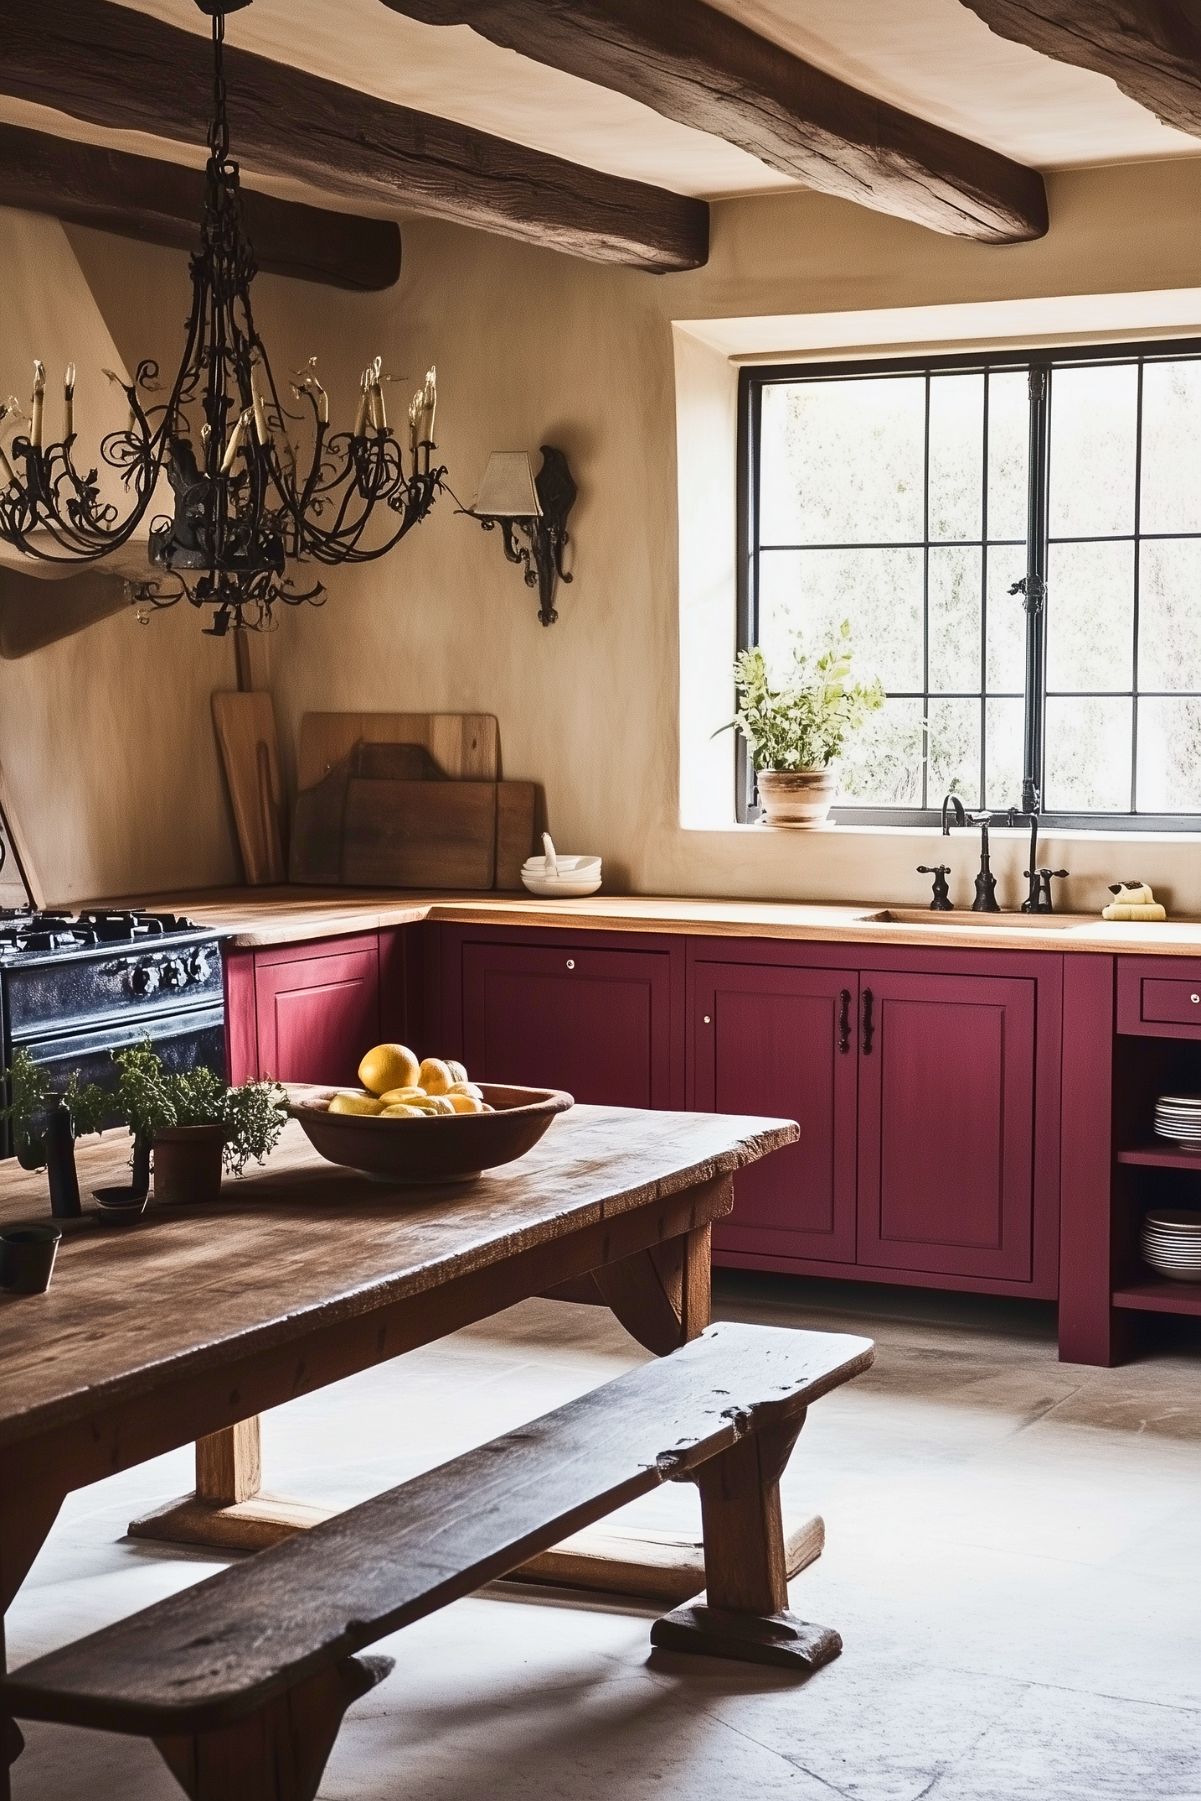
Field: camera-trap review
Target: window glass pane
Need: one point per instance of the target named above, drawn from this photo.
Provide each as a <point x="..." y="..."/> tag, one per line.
<point x="1008" y="452"/>
<point x="955" y="620"/>
<point x="1004" y="744"/>
<point x="1088" y="755"/>
<point x="813" y="591"/>
<point x="1169" y="755"/>
<point x="842" y="462"/>
<point x="1093" y="431"/>
<point x="1169" y="612"/>
<point x="883" y="763"/>
<point x="954" y="740"/>
<point x="956" y="456"/>
<point x="1171" y="490"/>
<point x="1090" y="616"/>
<point x="1006" y="621"/>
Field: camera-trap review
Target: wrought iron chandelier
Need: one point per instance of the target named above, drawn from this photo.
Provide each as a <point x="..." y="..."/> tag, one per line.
<point x="247" y="509"/>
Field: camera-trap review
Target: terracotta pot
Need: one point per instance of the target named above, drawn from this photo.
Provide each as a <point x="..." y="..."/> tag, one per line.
<point x="187" y="1164"/>
<point x="797" y="798"/>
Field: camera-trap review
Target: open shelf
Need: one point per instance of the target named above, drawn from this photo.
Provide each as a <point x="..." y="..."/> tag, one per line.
<point x="1158" y="1295"/>
<point x="1162" y="1155"/>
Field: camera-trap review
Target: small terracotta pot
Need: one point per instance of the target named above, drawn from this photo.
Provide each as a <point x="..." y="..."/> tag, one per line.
<point x="187" y="1164"/>
<point x="797" y="798"/>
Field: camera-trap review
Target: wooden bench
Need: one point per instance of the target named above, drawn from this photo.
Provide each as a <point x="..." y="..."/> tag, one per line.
<point x="242" y="1680"/>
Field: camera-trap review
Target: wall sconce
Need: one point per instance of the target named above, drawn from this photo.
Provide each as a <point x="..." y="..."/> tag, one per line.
<point x="512" y="497"/>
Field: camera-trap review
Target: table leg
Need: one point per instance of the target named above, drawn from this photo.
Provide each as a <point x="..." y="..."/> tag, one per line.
<point x="25" y="1522"/>
<point x="228" y="1509"/>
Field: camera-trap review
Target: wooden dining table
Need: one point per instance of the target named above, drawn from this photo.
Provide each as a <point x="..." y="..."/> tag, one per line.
<point x="188" y="1325"/>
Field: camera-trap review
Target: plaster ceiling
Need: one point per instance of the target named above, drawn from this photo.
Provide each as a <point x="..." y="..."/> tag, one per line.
<point x="932" y="57"/>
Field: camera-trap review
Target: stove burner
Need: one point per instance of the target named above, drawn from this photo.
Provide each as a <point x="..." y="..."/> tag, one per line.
<point x="22" y="929"/>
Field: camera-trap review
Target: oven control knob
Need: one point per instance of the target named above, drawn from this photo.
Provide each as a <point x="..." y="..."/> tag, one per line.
<point x="174" y="975"/>
<point x="143" y="978"/>
<point x="198" y="966"/>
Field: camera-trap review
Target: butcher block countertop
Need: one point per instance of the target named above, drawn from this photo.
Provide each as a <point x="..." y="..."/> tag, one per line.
<point x="259" y="917"/>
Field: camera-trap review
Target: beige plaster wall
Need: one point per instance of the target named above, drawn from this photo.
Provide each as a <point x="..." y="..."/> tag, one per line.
<point x="106" y="737"/>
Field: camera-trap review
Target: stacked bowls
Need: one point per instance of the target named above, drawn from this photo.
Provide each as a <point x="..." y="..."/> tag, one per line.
<point x="560" y="878"/>
<point x="1171" y="1245"/>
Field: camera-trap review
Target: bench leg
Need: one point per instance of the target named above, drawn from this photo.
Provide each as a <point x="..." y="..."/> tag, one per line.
<point x="744" y="1613"/>
<point x="280" y="1752"/>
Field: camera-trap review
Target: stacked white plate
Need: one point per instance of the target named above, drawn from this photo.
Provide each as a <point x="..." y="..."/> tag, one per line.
<point x="1178" y="1117"/>
<point x="1171" y="1245"/>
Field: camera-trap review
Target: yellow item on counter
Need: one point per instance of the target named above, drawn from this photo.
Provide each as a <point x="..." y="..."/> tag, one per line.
<point x="1133" y="900"/>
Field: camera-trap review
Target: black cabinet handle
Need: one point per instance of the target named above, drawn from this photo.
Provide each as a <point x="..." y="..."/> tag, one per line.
<point x="869" y="1021"/>
<point x="844" y="1022"/>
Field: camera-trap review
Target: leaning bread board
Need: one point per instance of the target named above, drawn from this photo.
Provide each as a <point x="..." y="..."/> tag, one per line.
<point x="452" y="1147"/>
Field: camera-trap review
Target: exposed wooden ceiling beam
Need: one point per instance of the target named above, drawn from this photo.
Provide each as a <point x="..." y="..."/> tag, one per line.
<point x="704" y="69"/>
<point x="121" y="69"/>
<point x="1150" y="48"/>
<point x="139" y="197"/>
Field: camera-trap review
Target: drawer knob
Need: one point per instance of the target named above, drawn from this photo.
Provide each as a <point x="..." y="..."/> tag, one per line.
<point x="571" y="962"/>
<point x="708" y="1020"/>
<point x="1196" y="999"/>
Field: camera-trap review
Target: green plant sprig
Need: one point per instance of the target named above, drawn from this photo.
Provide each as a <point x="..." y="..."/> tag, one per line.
<point x="31" y="1096"/>
<point x="804" y="722"/>
<point x="154" y="1101"/>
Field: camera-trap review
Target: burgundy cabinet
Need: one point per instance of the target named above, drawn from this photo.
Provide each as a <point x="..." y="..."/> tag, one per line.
<point x="946" y="1124"/>
<point x="596" y="1021"/>
<point x="305" y="1013"/>
<point x="782" y="1041"/>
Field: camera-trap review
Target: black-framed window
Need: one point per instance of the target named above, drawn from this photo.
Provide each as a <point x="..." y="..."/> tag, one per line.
<point x="1016" y="540"/>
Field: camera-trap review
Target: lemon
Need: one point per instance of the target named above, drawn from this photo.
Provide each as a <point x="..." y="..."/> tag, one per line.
<point x="433" y="1075"/>
<point x="389" y="1066"/>
<point x="471" y="1089"/>
<point x="355" y="1103"/>
<point x="401" y="1110"/>
<point x="465" y="1103"/>
<point x="458" y="1071"/>
<point x="396" y="1097"/>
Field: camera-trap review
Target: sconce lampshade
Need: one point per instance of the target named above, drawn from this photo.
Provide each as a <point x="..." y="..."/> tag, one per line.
<point x="507" y="490"/>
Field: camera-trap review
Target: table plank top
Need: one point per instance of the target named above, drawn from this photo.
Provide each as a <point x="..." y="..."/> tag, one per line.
<point x="303" y="1243"/>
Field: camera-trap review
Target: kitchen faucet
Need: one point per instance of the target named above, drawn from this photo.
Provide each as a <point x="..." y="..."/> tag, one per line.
<point x="986" y="881"/>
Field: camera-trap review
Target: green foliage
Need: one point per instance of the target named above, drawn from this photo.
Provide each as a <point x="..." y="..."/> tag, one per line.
<point x="154" y="1101"/>
<point x="803" y="723"/>
<point x="30" y="1099"/>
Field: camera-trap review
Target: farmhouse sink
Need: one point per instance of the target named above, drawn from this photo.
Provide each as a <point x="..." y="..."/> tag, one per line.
<point x="926" y="916"/>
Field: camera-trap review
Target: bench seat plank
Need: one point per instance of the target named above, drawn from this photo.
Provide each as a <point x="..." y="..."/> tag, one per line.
<point x="221" y="1649"/>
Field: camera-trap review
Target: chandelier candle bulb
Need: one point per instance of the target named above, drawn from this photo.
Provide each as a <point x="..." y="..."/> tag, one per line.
<point x="38" y="403"/>
<point x="235" y="440"/>
<point x="69" y="402"/>
<point x="7" y="474"/>
<point x="260" y="420"/>
<point x="430" y="405"/>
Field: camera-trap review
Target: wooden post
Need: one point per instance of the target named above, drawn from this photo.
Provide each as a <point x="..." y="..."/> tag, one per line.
<point x="744" y="1613"/>
<point x="229" y="1464"/>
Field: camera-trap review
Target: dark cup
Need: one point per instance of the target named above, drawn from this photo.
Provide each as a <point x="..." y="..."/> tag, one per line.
<point x="27" y="1256"/>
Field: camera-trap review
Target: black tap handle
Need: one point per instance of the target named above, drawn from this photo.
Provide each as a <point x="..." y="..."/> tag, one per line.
<point x="942" y="894"/>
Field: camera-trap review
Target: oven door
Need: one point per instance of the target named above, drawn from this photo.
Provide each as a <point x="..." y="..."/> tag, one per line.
<point x="182" y="1040"/>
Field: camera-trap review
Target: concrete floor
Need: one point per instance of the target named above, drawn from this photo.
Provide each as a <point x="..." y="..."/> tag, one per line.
<point x="1014" y="1561"/>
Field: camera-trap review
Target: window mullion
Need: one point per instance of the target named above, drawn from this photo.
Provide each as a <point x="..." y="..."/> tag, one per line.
<point x="1037" y="509"/>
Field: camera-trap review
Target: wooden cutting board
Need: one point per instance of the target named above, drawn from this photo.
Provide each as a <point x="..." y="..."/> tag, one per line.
<point x="245" y="726"/>
<point x="377" y="820"/>
<point x="462" y="746"/>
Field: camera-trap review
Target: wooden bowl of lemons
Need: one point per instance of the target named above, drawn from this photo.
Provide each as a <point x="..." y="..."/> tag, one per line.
<point x="418" y="1120"/>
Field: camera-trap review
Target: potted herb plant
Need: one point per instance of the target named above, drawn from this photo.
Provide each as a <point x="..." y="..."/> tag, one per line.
<point x="796" y="731"/>
<point x="196" y="1124"/>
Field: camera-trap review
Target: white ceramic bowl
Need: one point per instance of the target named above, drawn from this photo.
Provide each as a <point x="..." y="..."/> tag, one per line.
<point x="577" y="876"/>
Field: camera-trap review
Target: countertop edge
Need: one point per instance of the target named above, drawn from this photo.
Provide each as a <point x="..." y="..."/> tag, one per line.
<point x="262" y="919"/>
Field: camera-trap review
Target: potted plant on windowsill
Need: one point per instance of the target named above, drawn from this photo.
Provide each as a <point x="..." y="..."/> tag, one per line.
<point x="796" y="732"/>
<point x="195" y="1123"/>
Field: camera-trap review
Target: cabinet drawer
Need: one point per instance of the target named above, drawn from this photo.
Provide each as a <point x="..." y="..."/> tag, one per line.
<point x="1159" y="996"/>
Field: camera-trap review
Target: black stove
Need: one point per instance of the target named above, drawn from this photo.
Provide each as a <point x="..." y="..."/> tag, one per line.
<point x="75" y="987"/>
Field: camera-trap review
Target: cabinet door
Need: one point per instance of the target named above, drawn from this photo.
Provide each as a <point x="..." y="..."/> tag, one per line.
<point x="317" y="1014"/>
<point x="595" y="1022"/>
<point x="946" y="1124"/>
<point x="781" y="1041"/>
